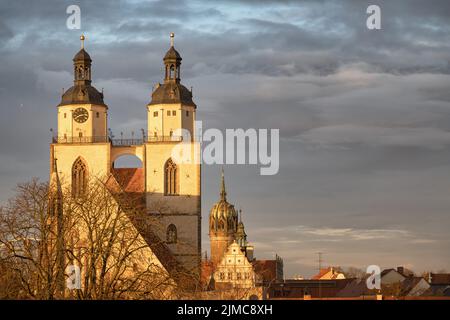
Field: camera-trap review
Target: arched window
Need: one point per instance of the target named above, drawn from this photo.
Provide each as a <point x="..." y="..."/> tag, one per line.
<point x="79" y="178"/>
<point x="170" y="178"/>
<point x="172" y="72"/>
<point x="171" y="236"/>
<point x="80" y="73"/>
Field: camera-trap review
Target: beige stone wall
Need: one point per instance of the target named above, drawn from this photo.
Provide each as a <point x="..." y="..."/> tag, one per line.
<point x="96" y="156"/>
<point x="96" y="124"/>
<point x="166" y="121"/>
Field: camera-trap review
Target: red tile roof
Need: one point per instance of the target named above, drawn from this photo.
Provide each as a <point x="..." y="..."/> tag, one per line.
<point x="130" y="179"/>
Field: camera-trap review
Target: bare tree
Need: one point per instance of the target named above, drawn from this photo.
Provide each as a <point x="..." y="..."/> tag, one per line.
<point x="353" y="272"/>
<point x="28" y="240"/>
<point x="104" y="231"/>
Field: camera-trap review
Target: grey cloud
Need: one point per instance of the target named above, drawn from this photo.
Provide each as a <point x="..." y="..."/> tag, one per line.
<point x="309" y="68"/>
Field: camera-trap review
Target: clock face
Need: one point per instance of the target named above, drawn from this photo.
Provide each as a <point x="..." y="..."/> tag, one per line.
<point x="80" y="115"/>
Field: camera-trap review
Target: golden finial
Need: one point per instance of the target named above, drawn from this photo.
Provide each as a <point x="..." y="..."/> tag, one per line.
<point x="82" y="37"/>
<point x="172" y="36"/>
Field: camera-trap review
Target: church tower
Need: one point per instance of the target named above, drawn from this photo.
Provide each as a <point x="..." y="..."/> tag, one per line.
<point x="172" y="166"/>
<point x="223" y="224"/>
<point x="169" y="179"/>
<point x="81" y="145"/>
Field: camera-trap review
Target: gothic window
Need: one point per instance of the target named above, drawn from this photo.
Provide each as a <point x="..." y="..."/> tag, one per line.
<point x="170" y="178"/>
<point x="79" y="178"/>
<point x="171" y="236"/>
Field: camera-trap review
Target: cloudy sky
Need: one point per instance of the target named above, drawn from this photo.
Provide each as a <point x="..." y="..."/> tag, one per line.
<point x="364" y="116"/>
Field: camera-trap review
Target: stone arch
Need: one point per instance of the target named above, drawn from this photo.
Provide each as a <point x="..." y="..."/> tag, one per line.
<point x="117" y="152"/>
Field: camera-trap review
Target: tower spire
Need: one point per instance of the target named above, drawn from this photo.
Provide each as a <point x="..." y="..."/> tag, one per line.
<point x="223" y="193"/>
<point x="82" y="65"/>
<point x="172" y="36"/>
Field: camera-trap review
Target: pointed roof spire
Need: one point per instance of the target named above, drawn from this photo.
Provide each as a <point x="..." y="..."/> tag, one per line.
<point x="223" y="193"/>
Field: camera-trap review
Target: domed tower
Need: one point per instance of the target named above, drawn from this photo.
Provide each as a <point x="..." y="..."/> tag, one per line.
<point x="81" y="144"/>
<point x="223" y="223"/>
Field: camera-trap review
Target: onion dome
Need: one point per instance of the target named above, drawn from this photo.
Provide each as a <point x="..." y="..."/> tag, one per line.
<point x="223" y="216"/>
<point x="82" y="92"/>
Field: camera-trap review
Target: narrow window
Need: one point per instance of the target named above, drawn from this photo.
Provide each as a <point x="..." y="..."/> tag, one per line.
<point x="171" y="235"/>
<point x="155" y="113"/>
<point x="187" y="113"/>
<point x="98" y="114"/>
<point x="65" y="115"/>
<point x="168" y="112"/>
<point x="79" y="178"/>
<point x="170" y="178"/>
<point x="174" y="113"/>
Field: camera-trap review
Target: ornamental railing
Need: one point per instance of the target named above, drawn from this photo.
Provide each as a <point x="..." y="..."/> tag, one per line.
<point x="71" y="140"/>
<point x="165" y="138"/>
<point x="115" y="142"/>
<point x="127" y="142"/>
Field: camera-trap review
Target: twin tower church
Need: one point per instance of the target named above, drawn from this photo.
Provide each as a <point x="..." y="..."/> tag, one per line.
<point x="83" y="147"/>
